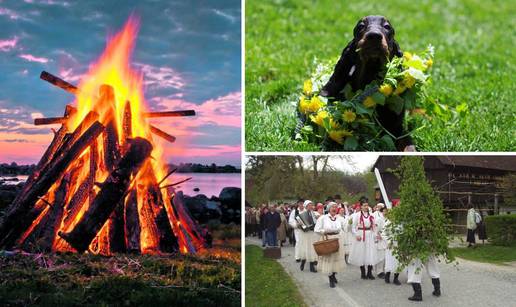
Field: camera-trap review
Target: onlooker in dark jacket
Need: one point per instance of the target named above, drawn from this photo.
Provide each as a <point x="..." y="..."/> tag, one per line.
<point x="272" y="222"/>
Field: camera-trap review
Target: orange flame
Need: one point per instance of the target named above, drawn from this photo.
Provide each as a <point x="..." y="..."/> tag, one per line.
<point x="113" y="69"/>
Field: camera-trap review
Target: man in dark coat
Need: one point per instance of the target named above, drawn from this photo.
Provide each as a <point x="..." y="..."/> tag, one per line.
<point x="271" y="223"/>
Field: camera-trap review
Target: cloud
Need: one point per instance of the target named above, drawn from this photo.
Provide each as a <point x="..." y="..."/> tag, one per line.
<point x="8" y="44"/>
<point x="31" y="58"/>
<point x="221" y="111"/>
<point x="17" y="141"/>
<point x="160" y="77"/>
<point x="49" y="2"/>
<point x="19" y="119"/>
<point x="226" y="16"/>
<point x="9" y="13"/>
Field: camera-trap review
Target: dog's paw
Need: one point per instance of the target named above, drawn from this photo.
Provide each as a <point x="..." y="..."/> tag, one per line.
<point x="410" y="148"/>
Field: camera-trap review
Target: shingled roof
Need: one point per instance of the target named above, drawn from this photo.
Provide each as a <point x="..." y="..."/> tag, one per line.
<point x="505" y="163"/>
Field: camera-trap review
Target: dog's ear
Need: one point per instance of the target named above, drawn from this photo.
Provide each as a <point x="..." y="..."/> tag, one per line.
<point x="396" y="51"/>
<point x="340" y="76"/>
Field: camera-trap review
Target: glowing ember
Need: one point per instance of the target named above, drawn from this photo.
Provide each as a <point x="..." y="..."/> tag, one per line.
<point x="109" y="197"/>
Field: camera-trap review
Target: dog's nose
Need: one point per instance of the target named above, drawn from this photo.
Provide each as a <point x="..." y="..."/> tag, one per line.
<point x="374" y="35"/>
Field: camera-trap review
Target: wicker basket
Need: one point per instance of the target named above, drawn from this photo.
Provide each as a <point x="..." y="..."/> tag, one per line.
<point x="326" y="246"/>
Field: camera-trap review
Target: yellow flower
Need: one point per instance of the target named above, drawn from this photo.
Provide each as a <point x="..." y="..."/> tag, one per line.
<point x="386" y="89"/>
<point x="349" y="116"/>
<point x="339" y="135"/>
<point x="369" y="102"/>
<point x="400" y="88"/>
<point x="407" y="55"/>
<point x="303" y="104"/>
<point x="310" y="106"/>
<point x="429" y="63"/>
<point x="319" y="118"/>
<point x="307" y="87"/>
<point x="409" y="81"/>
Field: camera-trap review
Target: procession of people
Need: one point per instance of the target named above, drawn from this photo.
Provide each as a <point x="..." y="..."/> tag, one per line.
<point x="365" y="245"/>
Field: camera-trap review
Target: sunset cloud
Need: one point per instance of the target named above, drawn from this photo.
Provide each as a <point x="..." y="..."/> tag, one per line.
<point x="31" y="58"/>
<point x="8" y="44"/>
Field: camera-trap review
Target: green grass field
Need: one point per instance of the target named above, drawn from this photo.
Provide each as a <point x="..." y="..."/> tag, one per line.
<point x="474" y="64"/>
<point x="122" y="280"/>
<point x="266" y="283"/>
<point x="487" y="253"/>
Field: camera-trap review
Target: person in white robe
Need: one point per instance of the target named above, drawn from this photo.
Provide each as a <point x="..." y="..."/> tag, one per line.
<point x="379" y="221"/>
<point x="307" y="237"/>
<point x="329" y="226"/>
<point x="293" y="223"/>
<point x="363" y="249"/>
<point x="391" y="263"/>
<point x="415" y="272"/>
<point x="346" y="232"/>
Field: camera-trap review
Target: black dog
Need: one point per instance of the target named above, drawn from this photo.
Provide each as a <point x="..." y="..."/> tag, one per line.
<point x="363" y="61"/>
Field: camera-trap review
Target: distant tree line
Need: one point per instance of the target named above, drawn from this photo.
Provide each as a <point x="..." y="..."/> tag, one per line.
<point x="274" y="178"/>
<point x="15" y="169"/>
<point x="201" y="168"/>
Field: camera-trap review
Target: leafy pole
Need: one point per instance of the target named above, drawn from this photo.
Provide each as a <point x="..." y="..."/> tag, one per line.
<point x="418" y="223"/>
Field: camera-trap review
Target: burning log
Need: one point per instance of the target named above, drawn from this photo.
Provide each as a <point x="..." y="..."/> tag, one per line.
<point x="183" y="213"/>
<point x="162" y="134"/>
<point x="49" y="153"/>
<point x="170" y="113"/>
<point x="112" y="192"/>
<point x="55" y="214"/>
<point x="58" y="82"/>
<point x="15" y="220"/>
<point x="127" y="125"/>
<point x="132" y="223"/>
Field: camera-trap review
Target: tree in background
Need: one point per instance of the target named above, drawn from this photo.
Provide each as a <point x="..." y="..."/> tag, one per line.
<point x="271" y="178"/>
<point x="418" y="223"/>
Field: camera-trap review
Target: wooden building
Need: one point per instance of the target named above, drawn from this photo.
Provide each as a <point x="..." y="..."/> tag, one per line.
<point x="459" y="180"/>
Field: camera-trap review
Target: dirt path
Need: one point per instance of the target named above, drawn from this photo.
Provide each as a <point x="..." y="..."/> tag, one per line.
<point x="469" y="284"/>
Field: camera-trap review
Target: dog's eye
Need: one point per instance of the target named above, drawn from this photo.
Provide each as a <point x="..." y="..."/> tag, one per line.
<point x="360" y="26"/>
<point x="387" y="27"/>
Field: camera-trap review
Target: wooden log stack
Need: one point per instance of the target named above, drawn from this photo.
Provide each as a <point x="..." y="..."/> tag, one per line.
<point x="84" y="198"/>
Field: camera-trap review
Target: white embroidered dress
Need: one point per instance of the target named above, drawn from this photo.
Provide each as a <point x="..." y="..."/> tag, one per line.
<point x="363" y="252"/>
<point x="332" y="227"/>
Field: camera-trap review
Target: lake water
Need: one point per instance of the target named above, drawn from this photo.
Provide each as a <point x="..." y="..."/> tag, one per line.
<point x="208" y="184"/>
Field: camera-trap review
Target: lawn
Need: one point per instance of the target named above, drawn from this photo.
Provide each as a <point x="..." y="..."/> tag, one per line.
<point x="123" y="280"/>
<point x="474" y="64"/>
<point x="487" y="253"/>
<point x="266" y="283"/>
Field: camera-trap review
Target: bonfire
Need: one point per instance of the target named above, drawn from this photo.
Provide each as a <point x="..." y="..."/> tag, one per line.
<point x="101" y="186"/>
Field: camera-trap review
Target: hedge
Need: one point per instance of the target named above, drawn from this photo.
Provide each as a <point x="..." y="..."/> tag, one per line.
<point x="501" y="229"/>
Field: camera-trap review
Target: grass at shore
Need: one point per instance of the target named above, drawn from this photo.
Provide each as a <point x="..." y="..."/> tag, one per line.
<point x="487" y="253"/>
<point x="122" y="280"/>
<point x="474" y="64"/>
<point x="266" y="283"/>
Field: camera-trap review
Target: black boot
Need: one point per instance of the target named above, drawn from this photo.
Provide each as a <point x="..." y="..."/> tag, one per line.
<point x="302" y="267"/>
<point x="418" y="296"/>
<point x="370" y="272"/>
<point x="437" y="286"/>
<point x="298" y="260"/>
<point x="395" y="280"/>
<point x="332" y="282"/>
<point x="362" y="272"/>
<point x="388" y="277"/>
<point x="334" y="278"/>
<point x="312" y="267"/>
<point x="381" y="275"/>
